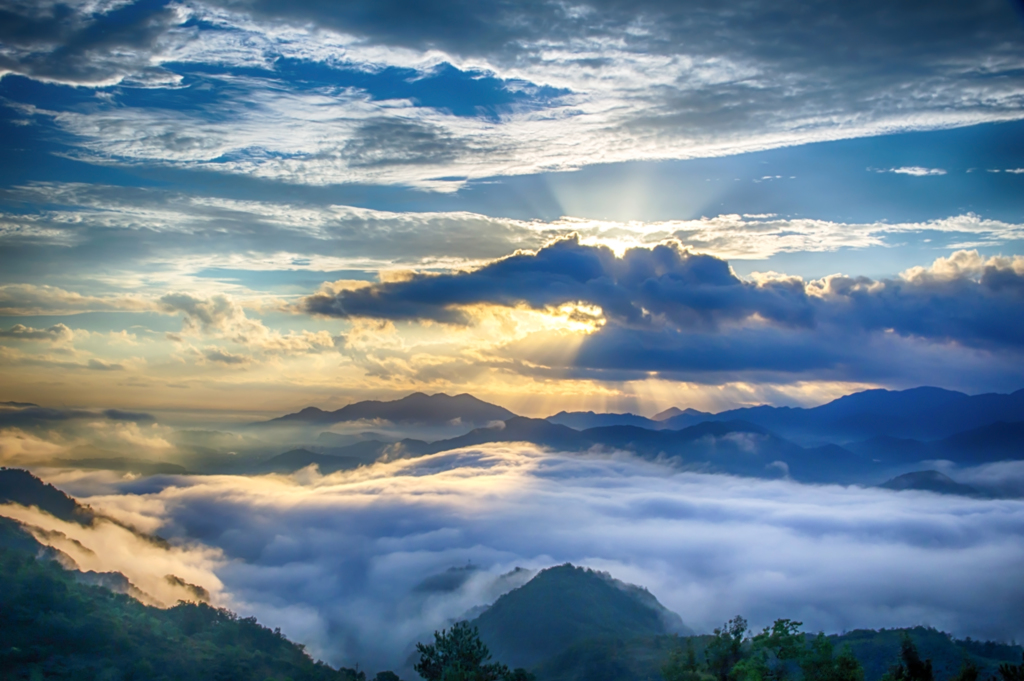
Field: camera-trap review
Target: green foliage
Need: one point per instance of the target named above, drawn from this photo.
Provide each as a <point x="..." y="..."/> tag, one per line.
<point x="458" y="654"/>
<point x="563" y="606"/>
<point x="1012" y="672"/>
<point x="770" y="651"/>
<point x="968" y="672"/>
<point x="910" y="666"/>
<point x="53" y="627"/>
<point x="820" y="663"/>
<point x="682" y="665"/>
<point x="726" y="648"/>
<point x="520" y="674"/>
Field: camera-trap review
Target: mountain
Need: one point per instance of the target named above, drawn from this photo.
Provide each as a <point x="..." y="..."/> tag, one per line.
<point x="995" y="442"/>
<point x="919" y="413"/>
<point x="581" y="420"/>
<point x="417" y="408"/>
<point x="57" y="627"/>
<point x="929" y="481"/>
<point x="334" y="459"/>
<point x="18" y="486"/>
<point x="672" y="412"/>
<point x="297" y="459"/>
<point x="565" y="605"/>
<point x="733" y="447"/>
<point x="59" y="623"/>
<point x="120" y="463"/>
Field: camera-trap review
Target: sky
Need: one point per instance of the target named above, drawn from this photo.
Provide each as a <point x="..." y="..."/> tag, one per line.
<point x="227" y="209"/>
<point x="214" y="212"/>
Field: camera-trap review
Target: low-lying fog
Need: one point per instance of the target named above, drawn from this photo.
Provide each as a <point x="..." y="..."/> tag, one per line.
<point x="347" y="563"/>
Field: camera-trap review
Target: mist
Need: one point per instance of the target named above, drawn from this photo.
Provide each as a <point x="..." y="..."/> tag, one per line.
<point x="348" y="563"/>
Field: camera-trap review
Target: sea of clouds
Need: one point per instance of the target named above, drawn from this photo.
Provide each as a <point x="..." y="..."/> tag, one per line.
<point x="338" y="562"/>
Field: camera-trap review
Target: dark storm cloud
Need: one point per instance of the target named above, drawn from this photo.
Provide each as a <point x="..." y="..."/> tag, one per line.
<point x="671" y="287"/>
<point x="84" y="43"/>
<point x="668" y="309"/>
<point x="752" y="60"/>
<point x="567" y="86"/>
<point x="856" y="36"/>
<point x="689" y="290"/>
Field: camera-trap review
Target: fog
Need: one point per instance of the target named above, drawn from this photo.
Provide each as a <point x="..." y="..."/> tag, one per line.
<point x="339" y="562"/>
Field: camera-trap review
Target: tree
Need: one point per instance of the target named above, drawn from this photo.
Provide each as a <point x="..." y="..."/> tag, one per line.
<point x="771" y="650"/>
<point x="968" y="671"/>
<point x="726" y="648"/>
<point x="458" y="654"/>
<point x="386" y="676"/>
<point x="683" y="665"/>
<point x="520" y="674"/>
<point x="910" y="667"/>
<point x="1012" y="672"/>
<point x="820" y="663"/>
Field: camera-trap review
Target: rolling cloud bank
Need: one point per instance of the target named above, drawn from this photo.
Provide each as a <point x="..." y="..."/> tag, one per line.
<point x="348" y="563"/>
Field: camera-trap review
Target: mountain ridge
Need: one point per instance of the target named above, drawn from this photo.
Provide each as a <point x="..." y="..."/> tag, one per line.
<point x="418" y="408"/>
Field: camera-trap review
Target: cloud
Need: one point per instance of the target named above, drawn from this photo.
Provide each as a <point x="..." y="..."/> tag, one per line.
<point x="222" y="317"/>
<point x="34" y="299"/>
<point x="965" y="297"/>
<point x="222" y="356"/>
<point x="38" y="436"/>
<point x="57" y="333"/>
<point x="100" y="365"/>
<point x="187" y="236"/>
<point x="669" y="309"/>
<point x="163" y="573"/>
<point x="88" y="42"/>
<point x="649" y="81"/>
<point x="336" y="561"/>
<point x="916" y="171"/>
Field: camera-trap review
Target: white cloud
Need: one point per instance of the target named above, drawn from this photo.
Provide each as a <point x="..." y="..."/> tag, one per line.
<point x="916" y="171"/>
<point x="334" y="560"/>
<point x="644" y="85"/>
<point x="159" y="240"/>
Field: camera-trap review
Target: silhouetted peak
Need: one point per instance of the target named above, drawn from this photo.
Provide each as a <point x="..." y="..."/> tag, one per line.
<point x="929" y="481"/>
<point x="18" y="486"/>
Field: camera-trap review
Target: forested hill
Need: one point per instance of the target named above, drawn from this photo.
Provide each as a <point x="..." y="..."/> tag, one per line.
<point x="57" y="624"/>
<point x="53" y="626"/>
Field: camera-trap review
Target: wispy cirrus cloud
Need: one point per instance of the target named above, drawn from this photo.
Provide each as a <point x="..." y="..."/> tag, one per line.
<point x="155" y="240"/>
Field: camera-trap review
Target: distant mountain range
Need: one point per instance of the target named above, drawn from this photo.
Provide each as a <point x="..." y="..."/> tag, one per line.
<point x="920" y="413"/>
<point x="874" y="427"/>
<point x="723" y="447"/>
<point x="864" y="438"/>
<point x="417" y="408"/>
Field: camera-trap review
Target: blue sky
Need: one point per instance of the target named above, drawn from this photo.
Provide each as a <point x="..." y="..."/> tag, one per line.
<point x="180" y="182"/>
